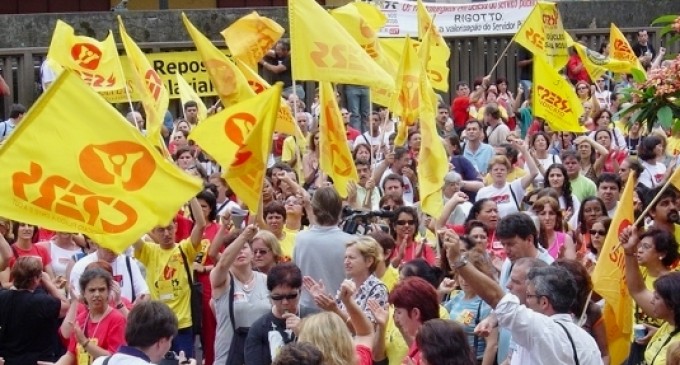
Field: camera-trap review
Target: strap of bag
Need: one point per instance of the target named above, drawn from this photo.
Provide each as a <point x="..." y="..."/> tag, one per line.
<point x="231" y="302"/>
<point x="514" y="197"/>
<point x="186" y="267"/>
<point x="106" y="360"/>
<point x="4" y="129"/>
<point x="132" y="281"/>
<point x="476" y="338"/>
<point x="571" y="341"/>
<point x="370" y="292"/>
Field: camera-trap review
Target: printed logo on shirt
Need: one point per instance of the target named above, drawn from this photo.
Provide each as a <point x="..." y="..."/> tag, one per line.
<point x="501" y="199"/>
<point x="659" y="178"/>
<point x="466" y="318"/>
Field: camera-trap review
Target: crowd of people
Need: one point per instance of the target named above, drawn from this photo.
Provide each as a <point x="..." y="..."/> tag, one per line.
<point x="500" y="276"/>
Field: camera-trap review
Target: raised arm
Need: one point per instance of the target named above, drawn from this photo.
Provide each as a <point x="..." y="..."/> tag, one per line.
<point x="636" y="284"/>
<point x="5" y="253"/>
<point x="533" y="169"/>
<point x="455" y="200"/>
<point x="199" y="223"/>
<point x="363" y="328"/>
<point x="219" y="276"/>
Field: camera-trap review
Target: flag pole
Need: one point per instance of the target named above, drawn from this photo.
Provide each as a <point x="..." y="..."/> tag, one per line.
<point x="653" y="202"/>
<point x="505" y="51"/>
<point x="127" y="92"/>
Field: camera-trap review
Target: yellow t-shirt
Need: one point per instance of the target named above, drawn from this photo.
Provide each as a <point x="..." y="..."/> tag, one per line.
<point x="289" y="151"/>
<point x="390" y="277"/>
<point x="395" y="346"/>
<point x="673" y="146"/>
<point x="288" y="243"/>
<point x="657" y="348"/>
<point x="166" y="276"/>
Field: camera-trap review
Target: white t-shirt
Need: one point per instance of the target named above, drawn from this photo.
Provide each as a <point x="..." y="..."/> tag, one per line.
<point x="507" y="203"/>
<point x="367" y="139"/>
<point x="652" y="175"/>
<point x="408" y="188"/>
<point x="120" y="274"/>
<point x="47" y="76"/>
<point x="460" y="214"/>
<point x="545" y="163"/>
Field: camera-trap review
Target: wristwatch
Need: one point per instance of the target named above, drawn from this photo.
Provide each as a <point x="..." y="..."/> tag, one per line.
<point x="462" y="261"/>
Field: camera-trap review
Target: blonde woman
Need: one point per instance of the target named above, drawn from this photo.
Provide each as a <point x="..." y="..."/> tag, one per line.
<point x="266" y="251"/>
<point x="328" y="332"/>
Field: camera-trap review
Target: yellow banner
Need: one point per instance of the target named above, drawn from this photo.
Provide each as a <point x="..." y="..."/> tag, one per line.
<point x="324" y="51"/>
<point x="554" y="99"/>
<point x="251" y="36"/>
<point x="619" y="49"/>
<point x="65" y="173"/>
<point x="543" y="35"/>
<point x="167" y="64"/>
<point x="437" y="66"/>
<point x="406" y="100"/>
<point x="95" y="62"/>
<point x="188" y="94"/>
<point x="597" y="64"/>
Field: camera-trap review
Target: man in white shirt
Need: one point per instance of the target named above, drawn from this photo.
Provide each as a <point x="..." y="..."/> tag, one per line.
<point x="47" y="75"/>
<point x="372" y="137"/>
<point x="126" y="273"/>
<point x="543" y="329"/>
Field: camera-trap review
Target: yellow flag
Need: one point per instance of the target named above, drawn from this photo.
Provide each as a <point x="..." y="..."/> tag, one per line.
<point x="554" y="99"/>
<point x="239" y="138"/>
<point x="105" y="179"/>
<point x="97" y="63"/>
<point x="251" y="36"/>
<point x="619" y="49"/>
<point x="229" y="83"/>
<point x="439" y="53"/>
<point x="149" y="86"/>
<point x="336" y="158"/>
<point x="609" y="280"/>
<point x="406" y="100"/>
<point x="543" y="35"/>
<point x="597" y="64"/>
<point x="187" y="93"/>
<point x="361" y="21"/>
<point x="322" y="50"/>
<point x="285" y="123"/>
<point x="433" y="165"/>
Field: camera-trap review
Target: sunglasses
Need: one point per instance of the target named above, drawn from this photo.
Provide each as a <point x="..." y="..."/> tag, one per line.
<point x="280" y="297"/>
<point x="260" y="251"/>
<point x="404" y="223"/>
<point x="597" y="232"/>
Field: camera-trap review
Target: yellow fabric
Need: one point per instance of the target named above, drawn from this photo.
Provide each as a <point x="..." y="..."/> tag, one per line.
<point x="239" y="138"/>
<point x="390" y="277"/>
<point x="437" y="62"/>
<point x="513" y="175"/>
<point x="673" y="146"/>
<point x="407" y="98"/>
<point x="555" y="99"/>
<point x="501" y="109"/>
<point x="167" y="277"/>
<point x="597" y="64"/>
<point x="149" y="86"/>
<point x="395" y="346"/>
<point x="289" y="152"/>
<point x="322" y="50"/>
<point x="609" y="281"/>
<point x="96" y="63"/>
<point x="335" y="156"/>
<point x="187" y="93"/>
<point x="656" y="352"/>
<point x="230" y="84"/>
<point x="619" y="49"/>
<point x="543" y="35"/>
<point x="362" y="21"/>
<point x="675" y="178"/>
<point x="285" y="123"/>
<point x="251" y="36"/>
<point x="288" y="242"/>
<point x="96" y="175"/>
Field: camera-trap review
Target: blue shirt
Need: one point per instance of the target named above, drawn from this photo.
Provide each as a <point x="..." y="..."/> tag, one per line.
<point x="469" y="312"/>
<point x="481" y="157"/>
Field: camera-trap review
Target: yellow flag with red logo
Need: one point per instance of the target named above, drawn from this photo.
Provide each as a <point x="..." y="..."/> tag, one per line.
<point x="619" y="49"/>
<point x="554" y="99"/>
<point x="229" y="83"/>
<point x="335" y="157"/>
<point x="187" y="94"/>
<point x="323" y="50"/>
<point x="597" y="64"/>
<point x="106" y="179"/>
<point x="609" y="280"/>
<point x="543" y="35"/>
<point x="406" y="100"/>
<point x="251" y="36"/>
<point x="96" y="62"/>
<point x="362" y="21"/>
<point x="239" y="138"/>
<point x="439" y="52"/>
<point x="149" y="86"/>
<point x="284" y="120"/>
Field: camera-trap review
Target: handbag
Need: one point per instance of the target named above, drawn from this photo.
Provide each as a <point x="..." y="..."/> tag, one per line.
<point x="196" y="297"/>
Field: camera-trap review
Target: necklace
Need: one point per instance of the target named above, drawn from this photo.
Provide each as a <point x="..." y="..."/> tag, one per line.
<point x="89" y="319"/>
<point x="248" y="285"/>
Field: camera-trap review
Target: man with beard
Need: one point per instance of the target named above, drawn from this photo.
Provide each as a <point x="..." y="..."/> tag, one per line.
<point x="365" y="186"/>
<point x="664" y="212"/>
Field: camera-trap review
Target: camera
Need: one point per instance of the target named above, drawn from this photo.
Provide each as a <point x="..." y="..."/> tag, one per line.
<point x="170" y="358"/>
<point x="359" y="221"/>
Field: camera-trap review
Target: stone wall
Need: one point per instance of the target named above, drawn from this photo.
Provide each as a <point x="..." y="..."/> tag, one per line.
<point x="166" y="26"/>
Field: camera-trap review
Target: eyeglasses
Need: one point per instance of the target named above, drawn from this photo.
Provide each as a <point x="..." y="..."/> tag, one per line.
<point x="407" y="222"/>
<point x="597" y="232"/>
<point x="260" y="251"/>
<point x="535" y="295"/>
<point x="280" y="297"/>
<point x="387" y="208"/>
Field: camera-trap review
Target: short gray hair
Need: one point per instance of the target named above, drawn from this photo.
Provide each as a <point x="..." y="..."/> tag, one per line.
<point x="555" y="283"/>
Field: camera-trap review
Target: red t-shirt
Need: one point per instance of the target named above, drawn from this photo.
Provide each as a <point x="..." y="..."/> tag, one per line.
<point x="614" y="155"/>
<point x="364" y="355"/>
<point x="414" y="353"/>
<point x="352" y="133"/>
<point x="410" y="253"/>
<point x="35" y="251"/>
<point x="184" y="226"/>
<point x="459" y="111"/>
<point x="109" y="332"/>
